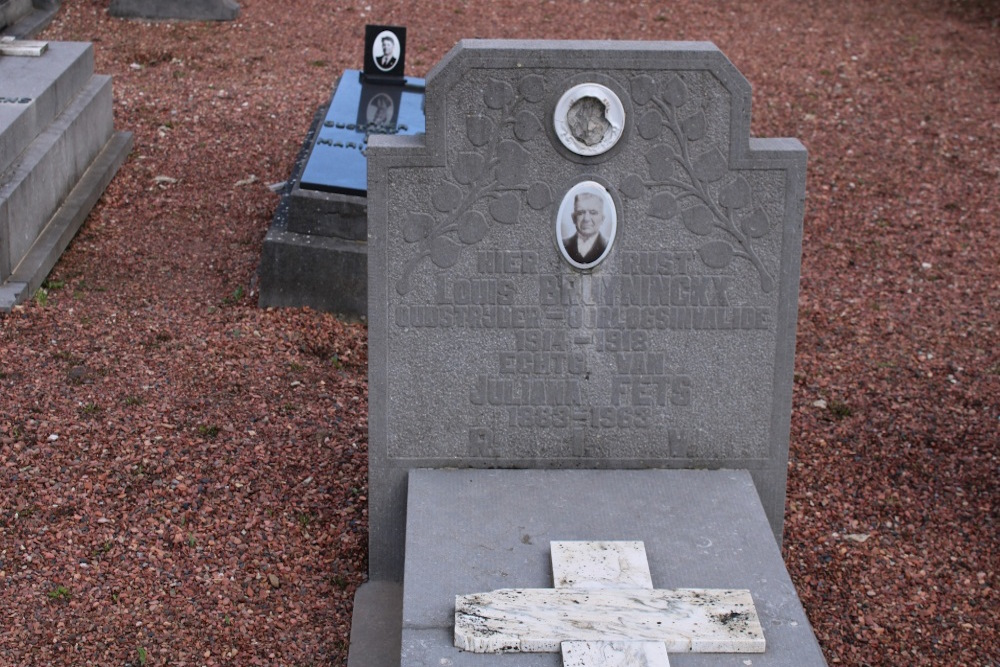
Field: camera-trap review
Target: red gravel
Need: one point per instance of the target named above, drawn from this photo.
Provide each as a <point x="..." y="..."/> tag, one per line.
<point x="183" y="475"/>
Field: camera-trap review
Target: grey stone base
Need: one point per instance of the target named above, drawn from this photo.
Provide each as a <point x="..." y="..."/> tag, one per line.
<point x="376" y="625"/>
<point x="11" y="11"/>
<point x="186" y="10"/>
<point x="63" y="226"/>
<point x="322" y="273"/>
<point x="34" y="187"/>
<point x="472" y="531"/>
<point x="26" y="18"/>
<point x="316" y="252"/>
<point x="58" y="152"/>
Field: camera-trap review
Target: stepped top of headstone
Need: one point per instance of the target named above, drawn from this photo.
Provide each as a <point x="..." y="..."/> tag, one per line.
<point x="586" y="262"/>
<point x="35" y="90"/>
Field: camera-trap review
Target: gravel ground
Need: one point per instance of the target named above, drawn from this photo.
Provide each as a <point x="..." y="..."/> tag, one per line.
<point x="183" y="474"/>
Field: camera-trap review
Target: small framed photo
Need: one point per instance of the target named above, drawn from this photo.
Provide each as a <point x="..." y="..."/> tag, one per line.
<point x="385" y="49"/>
<point x="586" y="225"/>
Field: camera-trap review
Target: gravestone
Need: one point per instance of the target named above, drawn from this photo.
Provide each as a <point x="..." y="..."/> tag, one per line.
<point x="11" y="11"/>
<point x="24" y="18"/>
<point x="185" y="10"/>
<point x="315" y="253"/>
<point x="582" y="300"/>
<point x="58" y="152"/>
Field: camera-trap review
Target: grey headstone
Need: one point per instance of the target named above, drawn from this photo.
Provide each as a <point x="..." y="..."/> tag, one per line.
<point x="25" y="18"/>
<point x="491" y="347"/>
<point x="188" y="10"/>
<point x="58" y="151"/>
<point x="12" y="10"/>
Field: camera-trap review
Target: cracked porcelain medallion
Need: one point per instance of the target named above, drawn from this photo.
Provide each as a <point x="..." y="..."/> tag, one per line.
<point x="589" y="119"/>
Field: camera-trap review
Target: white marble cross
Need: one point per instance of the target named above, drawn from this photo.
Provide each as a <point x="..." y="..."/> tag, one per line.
<point x="604" y="612"/>
<point x="21" y="47"/>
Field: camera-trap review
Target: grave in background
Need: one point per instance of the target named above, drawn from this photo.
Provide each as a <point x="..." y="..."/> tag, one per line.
<point x="582" y="300"/>
<point x="24" y="18"/>
<point x="185" y="10"/>
<point x="315" y="253"/>
<point x="58" y="152"/>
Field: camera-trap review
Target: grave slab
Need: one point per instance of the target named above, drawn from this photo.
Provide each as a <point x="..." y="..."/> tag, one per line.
<point x="59" y="151"/>
<point x="327" y="273"/>
<point x="357" y="110"/>
<point x="315" y="253"/>
<point x="24" y="18"/>
<point x="32" y="189"/>
<point x="12" y="11"/>
<point x="185" y="10"/>
<point x="35" y="92"/>
<point x="479" y="530"/>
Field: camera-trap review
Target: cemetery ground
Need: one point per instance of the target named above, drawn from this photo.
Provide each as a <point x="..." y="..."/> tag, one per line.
<point x="183" y="474"/>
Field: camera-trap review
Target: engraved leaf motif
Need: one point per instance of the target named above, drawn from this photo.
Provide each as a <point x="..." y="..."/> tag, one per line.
<point x="403" y="284"/>
<point x="650" y="124"/>
<point x="497" y="94"/>
<point x="633" y="187"/>
<point x="757" y="225"/>
<point x="675" y="92"/>
<point x="416" y="227"/>
<point x="444" y="252"/>
<point x="472" y="227"/>
<point x="663" y="206"/>
<point x="710" y="166"/>
<point x="661" y="162"/>
<point x="446" y="197"/>
<point x="735" y="194"/>
<point x="698" y="220"/>
<point x="716" y="254"/>
<point x="513" y="163"/>
<point x="643" y="89"/>
<point x="695" y="126"/>
<point x="539" y="196"/>
<point x="532" y="87"/>
<point x="468" y="167"/>
<point x="504" y="209"/>
<point x="526" y="126"/>
<point x="479" y="128"/>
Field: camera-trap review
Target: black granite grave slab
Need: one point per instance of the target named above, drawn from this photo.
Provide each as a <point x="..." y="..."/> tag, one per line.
<point x="359" y="109"/>
<point x="316" y="251"/>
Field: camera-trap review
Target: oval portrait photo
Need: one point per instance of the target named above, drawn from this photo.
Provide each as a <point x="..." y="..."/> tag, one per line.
<point x="586" y="225"/>
<point x="385" y="50"/>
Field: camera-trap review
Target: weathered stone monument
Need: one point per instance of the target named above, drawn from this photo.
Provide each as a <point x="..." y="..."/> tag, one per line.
<point x="316" y="252"/>
<point x="582" y="301"/>
<point x="185" y="10"/>
<point x="58" y="152"/>
<point x="24" y="18"/>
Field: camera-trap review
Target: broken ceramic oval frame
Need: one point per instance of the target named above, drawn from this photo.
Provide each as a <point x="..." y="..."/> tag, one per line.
<point x="581" y="100"/>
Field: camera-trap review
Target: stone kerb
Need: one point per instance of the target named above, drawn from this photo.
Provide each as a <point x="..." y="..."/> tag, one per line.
<point x="491" y="346"/>
<point x="187" y="10"/>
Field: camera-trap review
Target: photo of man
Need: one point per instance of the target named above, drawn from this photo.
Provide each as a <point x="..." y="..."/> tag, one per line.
<point x="389" y="46"/>
<point x="591" y="212"/>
